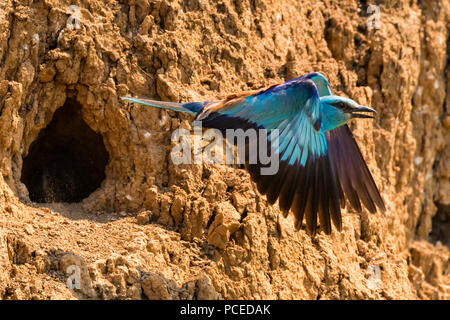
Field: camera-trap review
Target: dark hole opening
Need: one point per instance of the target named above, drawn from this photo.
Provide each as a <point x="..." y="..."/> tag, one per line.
<point x="67" y="161"/>
<point x="441" y="225"/>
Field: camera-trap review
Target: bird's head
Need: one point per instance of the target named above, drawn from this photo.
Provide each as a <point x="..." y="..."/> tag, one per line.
<point x="337" y="111"/>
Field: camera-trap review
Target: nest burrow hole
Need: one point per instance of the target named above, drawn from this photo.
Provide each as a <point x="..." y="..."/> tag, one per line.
<point x="441" y="225"/>
<point x="67" y="161"/>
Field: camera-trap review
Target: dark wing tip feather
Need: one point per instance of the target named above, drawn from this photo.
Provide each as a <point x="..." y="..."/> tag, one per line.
<point x="309" y="191"/>
<point x="353" y="175"/>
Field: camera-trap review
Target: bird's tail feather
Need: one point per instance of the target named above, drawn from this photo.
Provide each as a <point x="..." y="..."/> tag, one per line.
<point x="192" y="107"/>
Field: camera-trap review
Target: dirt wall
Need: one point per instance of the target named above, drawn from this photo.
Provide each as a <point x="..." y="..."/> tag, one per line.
<point x="153" y="229"/>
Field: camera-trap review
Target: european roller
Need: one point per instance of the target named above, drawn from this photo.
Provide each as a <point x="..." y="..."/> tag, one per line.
<point x="320" y="164"/>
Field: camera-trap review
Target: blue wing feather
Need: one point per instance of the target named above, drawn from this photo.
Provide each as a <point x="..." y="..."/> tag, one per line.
<point x="292" y="108"/>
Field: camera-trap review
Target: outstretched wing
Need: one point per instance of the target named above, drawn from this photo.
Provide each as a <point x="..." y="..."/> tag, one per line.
<point x="305" y="181"/>
<point x="353" y="176"/>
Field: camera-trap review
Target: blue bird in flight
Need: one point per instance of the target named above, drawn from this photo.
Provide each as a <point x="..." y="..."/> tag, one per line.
<point x="320" y="164"/>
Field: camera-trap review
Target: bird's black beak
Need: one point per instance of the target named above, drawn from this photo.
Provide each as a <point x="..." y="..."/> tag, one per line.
<point x="356" y="112"/>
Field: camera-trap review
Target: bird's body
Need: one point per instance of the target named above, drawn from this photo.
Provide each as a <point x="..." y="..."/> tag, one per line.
<point x="319" y="160"/>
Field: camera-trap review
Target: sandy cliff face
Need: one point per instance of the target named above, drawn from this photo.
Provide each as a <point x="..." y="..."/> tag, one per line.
<point x="152" y="229"/>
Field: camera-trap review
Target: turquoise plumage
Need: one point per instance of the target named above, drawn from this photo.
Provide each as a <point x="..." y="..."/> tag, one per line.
<point x="320" y="162"/>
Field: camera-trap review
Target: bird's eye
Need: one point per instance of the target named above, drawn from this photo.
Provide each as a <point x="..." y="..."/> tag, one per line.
<point x="339" y="105"/>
